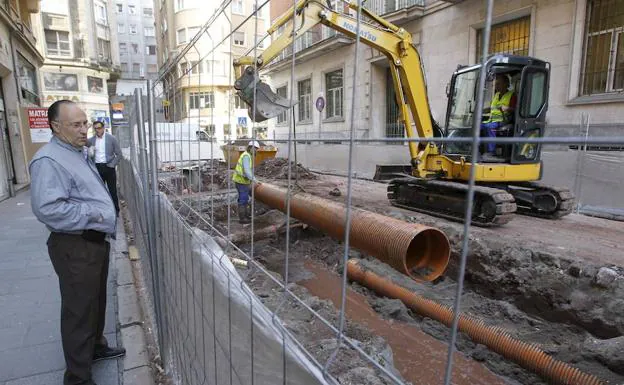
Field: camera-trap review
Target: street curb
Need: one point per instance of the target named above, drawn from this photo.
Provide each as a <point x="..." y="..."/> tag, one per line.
<point x="136" y="366"/>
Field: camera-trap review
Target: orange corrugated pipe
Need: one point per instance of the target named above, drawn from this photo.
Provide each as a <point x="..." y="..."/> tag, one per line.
<point x="526" y="355"/>
<point x="419" y="251"/>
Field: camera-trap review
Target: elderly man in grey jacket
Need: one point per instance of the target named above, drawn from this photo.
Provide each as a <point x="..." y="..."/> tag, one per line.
<point x="106" y="154"/>
<point x="70" y="198"/>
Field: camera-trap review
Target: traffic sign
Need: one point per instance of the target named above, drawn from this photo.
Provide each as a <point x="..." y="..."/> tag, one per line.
<point x="320" y="103"/>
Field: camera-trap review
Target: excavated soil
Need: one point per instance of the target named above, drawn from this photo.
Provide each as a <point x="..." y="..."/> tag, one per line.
<point x="556" y="284"/>
<point x="277" y="168"/>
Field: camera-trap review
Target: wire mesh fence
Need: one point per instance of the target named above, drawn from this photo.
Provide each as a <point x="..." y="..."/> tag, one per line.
<point x="225" y="312"/>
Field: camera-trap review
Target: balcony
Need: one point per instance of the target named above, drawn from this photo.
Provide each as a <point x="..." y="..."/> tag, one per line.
<point x="397" y="11"/>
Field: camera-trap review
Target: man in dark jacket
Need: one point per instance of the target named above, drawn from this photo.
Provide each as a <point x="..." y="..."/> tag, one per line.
<point x="106" y="154"/>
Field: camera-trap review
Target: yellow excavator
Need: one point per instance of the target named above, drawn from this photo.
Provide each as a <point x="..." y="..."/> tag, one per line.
<point x="435" y="182"/>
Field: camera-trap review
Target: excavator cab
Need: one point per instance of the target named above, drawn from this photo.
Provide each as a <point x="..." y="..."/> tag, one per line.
<point x="526" y="79"/>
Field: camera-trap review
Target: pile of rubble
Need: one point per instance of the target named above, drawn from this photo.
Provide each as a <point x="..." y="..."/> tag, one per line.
<point x="277" y="168"/>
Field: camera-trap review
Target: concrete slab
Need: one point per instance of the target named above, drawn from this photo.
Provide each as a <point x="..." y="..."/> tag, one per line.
<point x="30" y="347"/>
<point x="124" y="271"/>
<point x="134" y="342"/>
<point x="31" y="360"/>
<point x="129" y="311"/>
<point x="106" y="372"/>
<point x="12" y="338"/>
<point x="46" y="331"/>
<point x="138" y="376"/>
<point x="55" y="377"/>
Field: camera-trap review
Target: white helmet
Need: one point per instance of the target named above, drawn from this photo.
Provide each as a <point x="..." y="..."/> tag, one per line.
<point x="254" y="143"/>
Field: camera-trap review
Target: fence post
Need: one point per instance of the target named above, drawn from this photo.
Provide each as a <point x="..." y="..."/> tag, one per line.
<point x="155" y="219"/>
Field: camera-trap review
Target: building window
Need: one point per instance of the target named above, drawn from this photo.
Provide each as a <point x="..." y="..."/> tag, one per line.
<point x="100" y="13"/>
<point x="149" y="31"/>
<point x="511" y="37"/>
<point x="27" y="80"/>
<point x="191" y="32"/>
<point x="239" y="38"/>
<point x="333" y="85"/>
<point x="201" y="100"/>
<point x="181" y="36"/>
<point x="259" y="13"/>
<point x="197" y="67"/>
<point x="283" y="117"/>
<point x="119" y="8"/>
<point x="214" y="67"/>
<point x="304" y="95"/>
<point x="183" y="68"/>
<point x="152" y="68"/>
<point x="304" y="41"/>
<point x="150" y="50"/>
<point x="604" y="48"/>
<point x="238" y="103"/>
<point x="132" y="9"/>
<point x="104" y="49"/>
<point x="57" y="43"/>
<point x="237" y="7"/>
<point x="136" y="68"/>
<point x="227" y="129"/>
<point x="179" y="5"/>
<point x="149" y="12"/>
<point x="123" y="48"/>
<point x="121" y="28"/>
<point x="132" y="29"/>
<point x="260" y="43"/>
<point x="124" y="67"/>
<point x="135" y="48"/>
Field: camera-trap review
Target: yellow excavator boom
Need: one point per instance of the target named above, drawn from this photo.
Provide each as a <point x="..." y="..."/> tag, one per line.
<point x="392" y="41"/>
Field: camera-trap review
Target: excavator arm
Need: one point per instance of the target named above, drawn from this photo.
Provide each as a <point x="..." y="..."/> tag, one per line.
<point x="392" y="41"/>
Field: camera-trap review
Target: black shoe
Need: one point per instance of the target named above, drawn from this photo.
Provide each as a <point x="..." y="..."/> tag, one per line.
<point x="108" y="353"/>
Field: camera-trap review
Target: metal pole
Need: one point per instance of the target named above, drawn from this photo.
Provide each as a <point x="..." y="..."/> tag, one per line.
<point x="154" y="223"/>
<point x="470" y="196"/>
<point x="143" y="174"/>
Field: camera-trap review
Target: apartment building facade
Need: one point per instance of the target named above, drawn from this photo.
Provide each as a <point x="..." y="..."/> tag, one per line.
<point x="19" y="88"/>
<point x="79" y="41"/>
<point x="199" y="88"/>
<point x="136" y="34"/>
<point x="581" y="39"/>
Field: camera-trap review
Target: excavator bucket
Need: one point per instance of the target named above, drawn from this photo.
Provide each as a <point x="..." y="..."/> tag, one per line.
<point x="267" y="104"/>
<point x="391" y="171"/>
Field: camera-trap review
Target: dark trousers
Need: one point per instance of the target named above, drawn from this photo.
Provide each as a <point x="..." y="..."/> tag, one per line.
<point x="109" y="176"/>
<point x="82" y="269"/>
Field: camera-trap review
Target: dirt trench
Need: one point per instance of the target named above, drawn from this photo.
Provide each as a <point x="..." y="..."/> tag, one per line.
<point x="540" y="290"/>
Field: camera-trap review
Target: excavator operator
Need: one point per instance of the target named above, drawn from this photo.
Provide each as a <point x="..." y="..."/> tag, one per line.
<point x="500" y="111"/>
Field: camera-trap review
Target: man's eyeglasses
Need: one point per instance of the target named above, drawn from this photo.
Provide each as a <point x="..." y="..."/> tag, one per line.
<point x="78" y="125"/>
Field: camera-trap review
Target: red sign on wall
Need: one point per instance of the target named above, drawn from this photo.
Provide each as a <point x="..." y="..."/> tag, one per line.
<point x="38" y="118"/>
<point x="38" y="123"/>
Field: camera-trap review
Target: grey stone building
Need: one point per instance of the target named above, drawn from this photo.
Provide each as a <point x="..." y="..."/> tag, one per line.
<point x="136" y="36"/>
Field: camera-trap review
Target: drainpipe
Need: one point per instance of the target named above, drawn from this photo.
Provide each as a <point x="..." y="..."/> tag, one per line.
<point x="13" y="177"/>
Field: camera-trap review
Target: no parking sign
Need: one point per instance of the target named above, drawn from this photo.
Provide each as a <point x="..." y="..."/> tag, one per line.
<point x="320" y="103"/>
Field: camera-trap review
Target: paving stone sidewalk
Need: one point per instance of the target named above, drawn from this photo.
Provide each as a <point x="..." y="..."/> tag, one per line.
<point x="30" y="339"/>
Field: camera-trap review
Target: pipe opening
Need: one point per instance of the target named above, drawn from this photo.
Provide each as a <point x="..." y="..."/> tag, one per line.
<point x="427" y="255"/>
